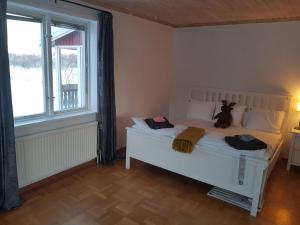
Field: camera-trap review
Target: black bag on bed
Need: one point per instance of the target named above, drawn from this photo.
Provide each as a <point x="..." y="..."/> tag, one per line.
<point x="237" y="142"/>
<point x="158" y="125"/>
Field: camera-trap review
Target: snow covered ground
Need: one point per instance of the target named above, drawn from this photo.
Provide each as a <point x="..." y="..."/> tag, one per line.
<point x="27" y="87"/>
<point x="27" y="91"/>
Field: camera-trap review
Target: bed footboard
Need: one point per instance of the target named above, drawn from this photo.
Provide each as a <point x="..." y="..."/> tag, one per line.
<point x="217" y="168"/>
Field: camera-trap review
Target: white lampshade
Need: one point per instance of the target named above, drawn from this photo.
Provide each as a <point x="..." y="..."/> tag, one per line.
<point x="298" y="107"/>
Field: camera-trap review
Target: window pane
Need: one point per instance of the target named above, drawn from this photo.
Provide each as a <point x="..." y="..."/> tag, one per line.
<point x="26" y="67"/>
<point x="68" y="59"/>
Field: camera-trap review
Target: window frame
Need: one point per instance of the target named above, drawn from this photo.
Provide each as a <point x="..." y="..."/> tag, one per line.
<point x="46" y="19"/>
<point x="83" y="27"/>
<point x="36" y="18"/>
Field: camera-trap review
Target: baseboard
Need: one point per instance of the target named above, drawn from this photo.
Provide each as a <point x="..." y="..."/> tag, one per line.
<point x="54" y="178"/>
<point x="121" y="153"/>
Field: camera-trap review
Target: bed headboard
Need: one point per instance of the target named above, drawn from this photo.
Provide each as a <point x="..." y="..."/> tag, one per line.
<point x="250" y="99"/>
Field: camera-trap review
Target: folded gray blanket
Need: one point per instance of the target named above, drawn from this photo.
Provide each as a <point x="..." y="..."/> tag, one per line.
<point x="158" y="125"/>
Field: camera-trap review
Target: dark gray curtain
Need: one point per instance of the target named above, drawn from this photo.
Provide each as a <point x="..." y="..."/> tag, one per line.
<point x="106" y="91"/>
<point x="9" y="188"/>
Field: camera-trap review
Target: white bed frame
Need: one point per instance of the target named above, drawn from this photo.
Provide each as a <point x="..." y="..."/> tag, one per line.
<point x="211" y="166"/>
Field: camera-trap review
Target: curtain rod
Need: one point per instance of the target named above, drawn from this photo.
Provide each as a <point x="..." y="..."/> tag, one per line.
<point x="82" y="5"/>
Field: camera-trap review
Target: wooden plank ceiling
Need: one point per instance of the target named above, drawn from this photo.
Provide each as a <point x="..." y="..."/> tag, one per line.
<point x="183" y="13"/>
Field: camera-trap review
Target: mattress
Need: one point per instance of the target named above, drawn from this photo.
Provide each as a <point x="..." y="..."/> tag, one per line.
<point x="214" y="137"/>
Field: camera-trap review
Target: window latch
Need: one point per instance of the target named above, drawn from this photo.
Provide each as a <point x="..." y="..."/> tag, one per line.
<point x="48" y="36"/>
<point x="51" y="98"/>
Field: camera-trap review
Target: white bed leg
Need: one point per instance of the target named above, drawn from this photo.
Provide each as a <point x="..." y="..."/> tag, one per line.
<point x="255" y="204"/>
<point x="263" y="189"/>
<point x="127" y="162"/>
<point x="253" y="211"/>
<point x="257" y="192"/>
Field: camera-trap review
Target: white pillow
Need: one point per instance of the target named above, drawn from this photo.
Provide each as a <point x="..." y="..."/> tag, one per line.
<point x="201" y="110"/>
<point x="139" y="122"/>
<point x="266" y="120"/>
<point x="237" y="113"/>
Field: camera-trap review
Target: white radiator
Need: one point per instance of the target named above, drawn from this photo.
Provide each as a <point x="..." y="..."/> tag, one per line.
<point x="42" y="155"/>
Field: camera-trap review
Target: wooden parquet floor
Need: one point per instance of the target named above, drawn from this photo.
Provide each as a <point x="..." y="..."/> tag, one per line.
<point x="149" y="195"/>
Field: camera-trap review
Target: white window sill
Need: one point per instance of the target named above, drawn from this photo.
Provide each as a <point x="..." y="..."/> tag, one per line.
<point x="25" y="128"/>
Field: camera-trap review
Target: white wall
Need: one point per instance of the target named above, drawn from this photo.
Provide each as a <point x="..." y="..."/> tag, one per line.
<point x="251" y="57"/>
<point x="143" y="57"/>
<point x="143" y="65"/>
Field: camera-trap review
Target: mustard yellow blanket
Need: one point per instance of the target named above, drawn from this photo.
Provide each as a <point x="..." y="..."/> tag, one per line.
<point x="187" y="139"/>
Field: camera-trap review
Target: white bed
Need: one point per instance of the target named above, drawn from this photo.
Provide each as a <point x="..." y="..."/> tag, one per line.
<point x="213" y="161"/>
<point x="214" y="138"/>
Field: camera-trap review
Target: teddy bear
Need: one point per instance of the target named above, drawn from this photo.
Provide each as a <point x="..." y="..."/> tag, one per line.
<point x="224" y="117"/>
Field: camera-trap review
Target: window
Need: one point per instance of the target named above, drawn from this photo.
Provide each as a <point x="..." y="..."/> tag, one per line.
<point x="68" y="61"/>
<point x="26" y="65"/>
<point x="48" y="72"/>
